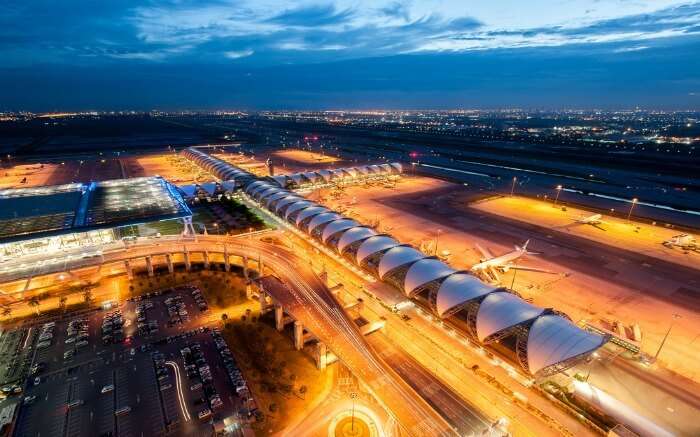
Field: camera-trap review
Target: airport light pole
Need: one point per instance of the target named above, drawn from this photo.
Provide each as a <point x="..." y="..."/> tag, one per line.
<point x="353" y="396"/>
<point x="673" y="320"/>
<point x="512" y="188"/>
<point x="629" y="214"/>
<point x="437" y="238"/>
<point x="559" y="187"/>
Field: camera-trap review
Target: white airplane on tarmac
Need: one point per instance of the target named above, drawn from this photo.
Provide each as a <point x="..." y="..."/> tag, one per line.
<point x="594" y="220"/>
<point x="489" y="266"/>
<point x="684" y="241"/>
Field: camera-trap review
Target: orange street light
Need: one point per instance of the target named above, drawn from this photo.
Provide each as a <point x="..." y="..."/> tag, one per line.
<point x="629" y="214"/>
<point x="559" y="187"/>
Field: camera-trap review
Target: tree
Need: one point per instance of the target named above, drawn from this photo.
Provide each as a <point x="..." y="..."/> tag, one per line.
<point x="302" y="390"/>
<point x="224" y="317"/>
<point x="34" y="303"/>
<point x="87" y="295"/>
<point x="62" y="302"/>
<point x="273" y="407"/>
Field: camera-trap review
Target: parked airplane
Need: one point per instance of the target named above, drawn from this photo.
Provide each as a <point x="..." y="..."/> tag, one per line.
<point x="594" y="220"/>
<point x="684" y="241"/>
<point x="489" y="266"/>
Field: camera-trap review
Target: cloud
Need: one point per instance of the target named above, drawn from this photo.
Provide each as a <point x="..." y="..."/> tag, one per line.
<point x="325" y="30"/>
<point x="630" y="49"/>
<point x="237" y="54"/>
<point x="314" y="15"/>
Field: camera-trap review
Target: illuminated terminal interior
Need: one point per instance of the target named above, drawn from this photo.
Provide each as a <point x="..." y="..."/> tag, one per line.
<point x="63" y="217"/>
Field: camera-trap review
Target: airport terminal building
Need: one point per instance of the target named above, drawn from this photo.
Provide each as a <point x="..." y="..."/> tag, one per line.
<point x="63" y="217"/>
<point x="542" y="341"/>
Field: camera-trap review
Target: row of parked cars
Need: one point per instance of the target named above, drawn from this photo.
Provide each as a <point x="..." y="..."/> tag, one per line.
<point x="234" y="374"/>
<point x="200" y="300"/>
<point x="113" y="327"/>
<point x="197" y="367"/>
<point x="177" y="312"/>
<point x="45" y="335"/>
<point x="143" y="325"/>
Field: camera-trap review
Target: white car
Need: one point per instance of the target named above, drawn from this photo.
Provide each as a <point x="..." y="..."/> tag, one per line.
<point x="107" y="388"/>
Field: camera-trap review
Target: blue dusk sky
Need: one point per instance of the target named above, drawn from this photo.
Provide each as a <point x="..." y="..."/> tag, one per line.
<point x="363" y="54"/>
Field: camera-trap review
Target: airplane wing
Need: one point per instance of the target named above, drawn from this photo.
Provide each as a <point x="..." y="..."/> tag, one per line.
<point x="493" y="274"/>
<point x="530" y="269"/>
<point x="484" y="252"/>
<point x="597" y="225"/>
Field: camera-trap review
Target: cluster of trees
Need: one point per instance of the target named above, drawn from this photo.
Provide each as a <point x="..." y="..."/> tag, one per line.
<point x="236" y="208"/>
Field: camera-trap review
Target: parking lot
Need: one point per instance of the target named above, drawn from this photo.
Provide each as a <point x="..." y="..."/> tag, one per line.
<point x="149" y="367"/>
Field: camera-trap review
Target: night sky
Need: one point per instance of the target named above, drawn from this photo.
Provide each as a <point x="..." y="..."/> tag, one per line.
<point x="266" y="54"/>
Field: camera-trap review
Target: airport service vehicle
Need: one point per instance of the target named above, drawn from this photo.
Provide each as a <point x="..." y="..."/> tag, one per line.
<point x="29" y="400"/>
<point x="75" y="403"/>
<point x="122" y="411"/>
<point x="107" y="388"/>
<point x="204" y="414"/>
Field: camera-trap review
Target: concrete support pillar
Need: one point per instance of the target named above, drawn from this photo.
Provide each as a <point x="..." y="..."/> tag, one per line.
<point x="149" y="265"/>
<point x="321" y="351"/>
<point x="245" y="267"/>
<point x="169" y="258"/>
<point x="188" y="264"/>
<point x="261" y="299"/>
<point x="248" y="290"/>
<point x="298" y="335"/>
<point x="227" y="262"/>
<point x="129" y="270"/>
<point x="206" y="259"/>
<point x="279" y="317"/>
<point x="261" y="266"/>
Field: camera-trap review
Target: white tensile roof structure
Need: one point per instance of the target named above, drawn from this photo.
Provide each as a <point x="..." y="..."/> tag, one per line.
<point x="459" y="289"/>
<point x="547" y="342"/>
<point x="500" y="311"/>
<point x="425" y="271"/>
<point x="373" y="245"/>
<point x="355" y="234"/>
<point x="397" y="257"/>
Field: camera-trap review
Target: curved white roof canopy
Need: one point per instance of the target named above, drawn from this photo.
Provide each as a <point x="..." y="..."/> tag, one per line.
<point x="280" y="179"/>
<point x="553" y="339"/>
<point x="373" y="245"/>
<point x="269" y="199"/>
<point x="297" y="206"/>
<point x="252" y="186"/>
<point x="312" y="176"/>
<point x="325" y="174"/>
<point x="350" y="171"/>
<point x="501" y="310"/>
<point x="363" y="169"/>
<point x="459" y="289"/>
<point x="255" y="194"/>
<point x="355" y="234"/>
<point x="296" y="178"/>
<point x="386" y="168"/>
<point x="269" y="193"/>
<point x="374" y="168"/>
<point x="424" y="271"/>
<point x="398" y="167"/>
<point x="310" y="212"/>
<point x="287" y="201"/>
<point x="261" y="194"/>
<point x="337" y="226"/>
<point x="396" y="257"/>
<point x="323" y="219"/>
